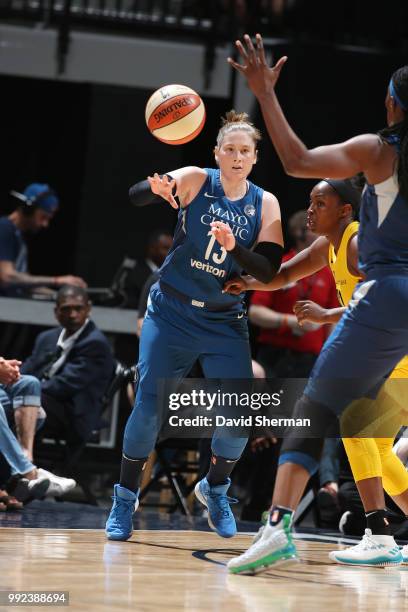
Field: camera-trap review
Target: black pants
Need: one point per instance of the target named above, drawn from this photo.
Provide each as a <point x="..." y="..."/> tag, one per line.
<point x="62" y="424"/>
<point x="285" y="363"/>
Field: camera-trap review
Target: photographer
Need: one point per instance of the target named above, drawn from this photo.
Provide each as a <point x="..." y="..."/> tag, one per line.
<point x="35" y="210"/>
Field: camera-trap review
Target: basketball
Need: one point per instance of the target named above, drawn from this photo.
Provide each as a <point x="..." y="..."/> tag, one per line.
<point x="175" y="114"/>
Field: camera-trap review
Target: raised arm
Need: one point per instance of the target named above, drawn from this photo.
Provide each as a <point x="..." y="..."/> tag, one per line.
<point x="184" y="183"/>
<point x="359" y="154"/>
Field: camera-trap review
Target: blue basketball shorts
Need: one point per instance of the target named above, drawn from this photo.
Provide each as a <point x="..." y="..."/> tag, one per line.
<point x="366" y="345"/>
<point x="174" y="336"/>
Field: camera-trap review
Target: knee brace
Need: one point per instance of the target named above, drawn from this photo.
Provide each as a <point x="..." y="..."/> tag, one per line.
<point x="307" y="451"/>
<point x="323" y="422"/>
<point x="299" y="458"/>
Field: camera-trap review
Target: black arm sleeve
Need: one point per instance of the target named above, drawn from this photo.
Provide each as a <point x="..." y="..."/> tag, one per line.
<point x="141" y="194"/>
<point x="262" y="263"/>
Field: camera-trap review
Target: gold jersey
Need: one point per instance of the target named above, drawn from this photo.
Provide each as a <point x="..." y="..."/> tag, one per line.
<point x="346" y="282"/>
<point x="344" y="279"/>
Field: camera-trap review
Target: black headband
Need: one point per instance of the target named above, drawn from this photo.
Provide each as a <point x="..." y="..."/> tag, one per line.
<point x="346" y="191"/>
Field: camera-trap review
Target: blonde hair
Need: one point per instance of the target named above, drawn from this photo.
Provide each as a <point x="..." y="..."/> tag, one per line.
<point x="234" y="121"/>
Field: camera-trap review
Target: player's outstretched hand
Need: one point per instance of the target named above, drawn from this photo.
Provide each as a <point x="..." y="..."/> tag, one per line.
<point x="223" y="234"/>
<point x="261" y="78"/>
<point x="235" y="286"/>
<point x="163" y="187"/>
<point x="307" y="311"/>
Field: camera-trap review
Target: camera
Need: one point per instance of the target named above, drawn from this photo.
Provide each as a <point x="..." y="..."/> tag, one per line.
<point x="123" y="375"/>
<point x="126" y="374"/>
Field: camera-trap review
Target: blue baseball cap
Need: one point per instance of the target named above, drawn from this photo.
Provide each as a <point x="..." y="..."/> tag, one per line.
<point x="41" y="195"/>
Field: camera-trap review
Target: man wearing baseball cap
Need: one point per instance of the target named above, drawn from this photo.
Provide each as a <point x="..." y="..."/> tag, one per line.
<point x="36" y="207"/>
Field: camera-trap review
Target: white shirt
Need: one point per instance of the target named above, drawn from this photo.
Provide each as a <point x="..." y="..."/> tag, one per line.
<point x="66" y="345"/>
<point x="151" y="264"/>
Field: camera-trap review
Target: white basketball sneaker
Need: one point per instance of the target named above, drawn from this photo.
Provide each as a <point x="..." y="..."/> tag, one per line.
<point x="264" y="521"/>
<point x="258" y="534"/>
<point x="404" y="553"/>
<point x="274" y="547"/>
<point x="58" y="484"/>
<point x="372" y="551"/>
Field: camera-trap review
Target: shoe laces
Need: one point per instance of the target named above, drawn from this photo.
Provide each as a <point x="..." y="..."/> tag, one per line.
<point x="223" y="503"/>
<point x="367" y="543"/>
<point x="273" y="538"/>
<point x="258" y="535"/>
<point x="122" y="508"/>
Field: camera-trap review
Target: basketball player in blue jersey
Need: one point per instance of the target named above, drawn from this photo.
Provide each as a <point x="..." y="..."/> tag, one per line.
<point x="333" y="204"/>
<point x="189" y="317"/>
<point x="372" y="335"/>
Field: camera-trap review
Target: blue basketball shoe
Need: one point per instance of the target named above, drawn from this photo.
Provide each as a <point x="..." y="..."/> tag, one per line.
<point x="220" y="517"/>
<point x="119" y="525"/>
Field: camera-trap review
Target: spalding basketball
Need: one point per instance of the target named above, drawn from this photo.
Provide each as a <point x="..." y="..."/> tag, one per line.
<point x="175" y="114"/>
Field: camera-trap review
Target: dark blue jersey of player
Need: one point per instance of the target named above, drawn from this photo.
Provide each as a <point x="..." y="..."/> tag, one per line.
<point x="383" y="233"/>
<point x="196" y="264"/>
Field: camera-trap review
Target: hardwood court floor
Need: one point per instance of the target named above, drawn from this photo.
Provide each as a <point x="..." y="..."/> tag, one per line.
<point x="176" y="571"/>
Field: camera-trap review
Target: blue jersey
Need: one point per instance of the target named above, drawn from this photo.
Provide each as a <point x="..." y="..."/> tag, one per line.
<point x="197" y="265"/>
<point x="383" y="231"/>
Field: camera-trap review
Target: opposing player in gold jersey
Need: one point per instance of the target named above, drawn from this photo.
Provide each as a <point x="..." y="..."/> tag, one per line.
<point x="331" y="216"/>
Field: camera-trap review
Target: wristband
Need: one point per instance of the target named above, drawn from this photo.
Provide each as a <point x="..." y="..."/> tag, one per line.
<point x="284" y="326"/>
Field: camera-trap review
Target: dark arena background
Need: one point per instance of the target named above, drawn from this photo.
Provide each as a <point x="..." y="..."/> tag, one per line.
<point x="75" y="76"/>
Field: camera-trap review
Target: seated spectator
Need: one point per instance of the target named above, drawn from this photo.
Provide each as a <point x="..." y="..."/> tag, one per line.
<point x="27" y="481"/>
<point x="37" y="206"/>
<point x="158" y="246"/>
<point x="22" y="404"/>
<point x="75" y="365"/>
